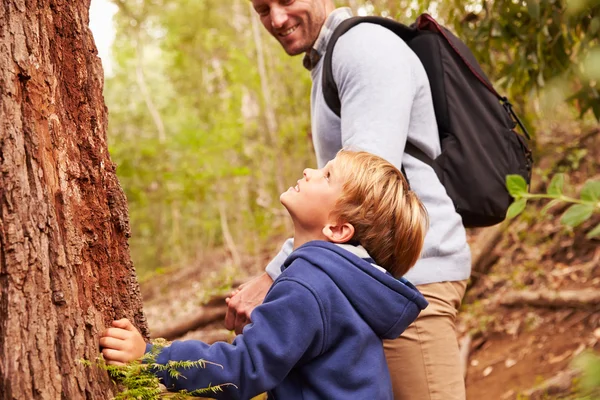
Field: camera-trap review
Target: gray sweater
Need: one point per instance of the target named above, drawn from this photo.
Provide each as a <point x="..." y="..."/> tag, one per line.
<point x="386" y="99"/>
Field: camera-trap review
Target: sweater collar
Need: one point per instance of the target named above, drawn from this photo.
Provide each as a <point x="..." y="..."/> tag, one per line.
<point x="361" y="252"/>
<point x="313" y="55"/>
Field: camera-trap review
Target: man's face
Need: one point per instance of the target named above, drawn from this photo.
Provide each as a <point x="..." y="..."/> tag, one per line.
<point x="294" y="23"/>
<point x="312" y="200"/>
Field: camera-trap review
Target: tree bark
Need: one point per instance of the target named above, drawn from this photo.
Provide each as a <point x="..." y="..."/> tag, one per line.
<point x="65" y="271"/>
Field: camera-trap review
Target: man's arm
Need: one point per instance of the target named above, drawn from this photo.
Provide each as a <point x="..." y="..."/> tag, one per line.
<point x="243" y="300"/>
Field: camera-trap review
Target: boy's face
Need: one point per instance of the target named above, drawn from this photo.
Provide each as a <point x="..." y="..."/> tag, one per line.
<point x="311" y="201"/>
<point x="294" y="23"/>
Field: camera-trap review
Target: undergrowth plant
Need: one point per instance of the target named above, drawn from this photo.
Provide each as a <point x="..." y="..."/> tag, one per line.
<point x="589" y="384"/>
<point x="138" y="381"/>
<point x="580" y="210"/>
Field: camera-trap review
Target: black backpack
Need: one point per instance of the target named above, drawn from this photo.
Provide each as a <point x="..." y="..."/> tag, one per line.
<point x="476" y="125"/>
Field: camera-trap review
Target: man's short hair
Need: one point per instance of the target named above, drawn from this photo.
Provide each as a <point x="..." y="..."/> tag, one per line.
<point x="389" y="220"/>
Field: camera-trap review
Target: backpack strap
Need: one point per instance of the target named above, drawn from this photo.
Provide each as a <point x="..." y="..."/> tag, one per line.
<point x="330" y="90"/>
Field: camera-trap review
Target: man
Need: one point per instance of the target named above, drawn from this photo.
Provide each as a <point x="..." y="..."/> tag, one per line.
<point x="385" y="101"/>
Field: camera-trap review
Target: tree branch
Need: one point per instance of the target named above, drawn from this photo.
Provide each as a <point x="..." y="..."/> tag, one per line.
<point x="203" y="317"/>
<point x="560" y="383"/>
<point x="584" y="298"/>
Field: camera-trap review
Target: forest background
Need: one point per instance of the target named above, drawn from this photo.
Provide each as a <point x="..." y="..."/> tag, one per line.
<point x="209" y="122"/>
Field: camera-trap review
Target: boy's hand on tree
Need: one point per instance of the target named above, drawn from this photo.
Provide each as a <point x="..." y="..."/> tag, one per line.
<point x="122" y="343"/>
<point x="242" y="301"/>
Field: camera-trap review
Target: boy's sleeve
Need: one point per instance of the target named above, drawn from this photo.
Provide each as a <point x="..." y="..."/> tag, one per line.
<point x="274" y="266"/>
<point x="287" y="328"/>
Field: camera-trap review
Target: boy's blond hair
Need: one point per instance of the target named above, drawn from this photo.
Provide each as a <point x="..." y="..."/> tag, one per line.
<point x="389" y="220"/>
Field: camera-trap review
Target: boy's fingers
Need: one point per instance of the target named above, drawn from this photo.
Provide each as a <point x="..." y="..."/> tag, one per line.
<point x="124" y="324"/>
<point x="117" y="333"/>
<point x="240" y="322"/>
<point x="111" y="355"/>
<point x="115" y="363"/>
<point x="230" y="315"/>
<point x="112" y="343"/>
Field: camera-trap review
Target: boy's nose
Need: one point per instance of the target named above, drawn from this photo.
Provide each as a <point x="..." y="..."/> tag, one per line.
<point x="307" y="173"/>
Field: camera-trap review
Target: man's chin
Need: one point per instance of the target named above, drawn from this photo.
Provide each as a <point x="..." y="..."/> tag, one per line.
<point x="294" y="50"/>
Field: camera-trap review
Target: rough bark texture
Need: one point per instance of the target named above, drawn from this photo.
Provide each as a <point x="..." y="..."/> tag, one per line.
<point x="65" y="270"/>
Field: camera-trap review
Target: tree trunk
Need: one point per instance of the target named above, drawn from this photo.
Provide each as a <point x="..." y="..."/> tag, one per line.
<point x="65" y="270"/>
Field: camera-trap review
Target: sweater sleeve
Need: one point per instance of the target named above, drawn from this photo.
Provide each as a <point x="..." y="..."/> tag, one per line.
<point x="373" y="69"/>
<point x="286" y="327"/>
<point x="274" y="266"/>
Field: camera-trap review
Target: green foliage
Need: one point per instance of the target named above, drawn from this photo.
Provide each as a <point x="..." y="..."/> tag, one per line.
<point x="589" y="364"/>
<point x="205" y="140"/>
<point x="532" y="47"/>
<point x="138" y="381"/>
<point x="580" y="211"/>
<point x="187" y="129"/>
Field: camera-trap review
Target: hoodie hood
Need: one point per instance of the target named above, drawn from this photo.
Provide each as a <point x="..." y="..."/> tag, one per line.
<point x="388" y="305"/>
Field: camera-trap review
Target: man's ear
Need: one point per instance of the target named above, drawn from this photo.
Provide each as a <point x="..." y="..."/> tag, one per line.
<point x="340" y="233"/>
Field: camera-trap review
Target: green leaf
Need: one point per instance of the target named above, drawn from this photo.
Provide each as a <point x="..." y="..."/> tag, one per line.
<point x="516" y="185"/>
<point x="576" y="214"/>
<point x="555" y="188"/>
<point x="594" y="232"/>
<point x="516" y="208"/>
<point x="548" y="206"/>
<point x="591" y="191"/>
<point x="534" y="9"/>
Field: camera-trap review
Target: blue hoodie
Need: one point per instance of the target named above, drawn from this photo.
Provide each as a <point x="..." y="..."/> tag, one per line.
<point x="317" y="334"/>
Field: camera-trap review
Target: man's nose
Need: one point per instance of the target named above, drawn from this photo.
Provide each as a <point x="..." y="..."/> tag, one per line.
<point x="278" y="17"/>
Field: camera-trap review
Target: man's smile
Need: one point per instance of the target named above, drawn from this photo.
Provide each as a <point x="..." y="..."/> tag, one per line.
<point x="288" y="31"/>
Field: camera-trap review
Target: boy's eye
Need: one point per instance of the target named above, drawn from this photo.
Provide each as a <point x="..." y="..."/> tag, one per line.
<point x="286" y="2"/>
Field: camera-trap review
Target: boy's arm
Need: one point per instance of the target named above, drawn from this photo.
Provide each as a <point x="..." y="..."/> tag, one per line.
<point x="286" y="328"/>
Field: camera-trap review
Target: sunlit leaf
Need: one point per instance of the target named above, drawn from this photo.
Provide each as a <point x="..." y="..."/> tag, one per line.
<point x="594" y="232"/>
<point x="534" y="9"/>
<point x="591" y="191"/>
<point x="576" y="214"/>
<point x="516" y="185"/>
<point x="556" y="185"/>
<point x="516" y="208"/>
<point x="548" y="206"/>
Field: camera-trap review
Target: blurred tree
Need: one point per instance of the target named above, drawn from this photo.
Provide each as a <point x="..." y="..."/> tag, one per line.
<point x="231" y="108"/>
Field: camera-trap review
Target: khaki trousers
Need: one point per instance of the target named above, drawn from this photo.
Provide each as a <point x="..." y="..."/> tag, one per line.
<point x="424" y="362"/>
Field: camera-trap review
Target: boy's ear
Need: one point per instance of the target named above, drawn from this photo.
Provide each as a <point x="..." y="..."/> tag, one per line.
<point x="340" y="233"/>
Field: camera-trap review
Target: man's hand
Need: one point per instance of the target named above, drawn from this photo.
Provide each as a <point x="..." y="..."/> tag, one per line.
<point x="242" y="301"/>
<point x="122" y="343"/>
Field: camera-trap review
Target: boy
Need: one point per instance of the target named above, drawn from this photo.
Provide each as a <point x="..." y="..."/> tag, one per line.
<point x="318" y="333"/>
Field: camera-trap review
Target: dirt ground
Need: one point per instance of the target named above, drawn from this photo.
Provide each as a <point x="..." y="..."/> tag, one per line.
<point x="512" y="349"/>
